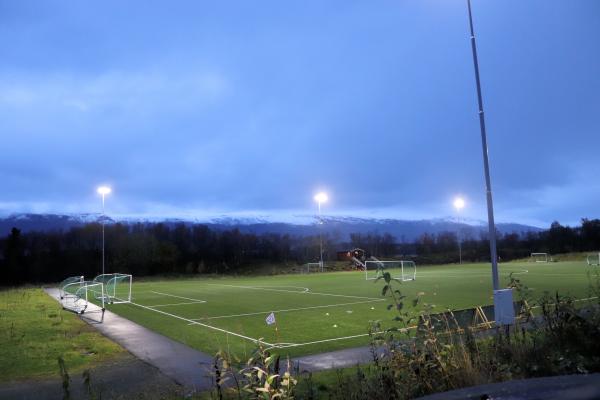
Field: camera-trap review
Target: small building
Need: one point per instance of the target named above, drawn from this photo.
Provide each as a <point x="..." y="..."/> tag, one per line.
<point x="347" y="255"/>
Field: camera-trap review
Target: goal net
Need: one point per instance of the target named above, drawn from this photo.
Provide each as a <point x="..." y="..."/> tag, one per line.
<point x="314" y="267"/>
<point x="402" y="270"/>
<point x="539" y="257"/>
<point x="67" y="283"/>
<point x="116" y="288"/>
<point x="593" y="259"/>
<point x="76" y="296"/>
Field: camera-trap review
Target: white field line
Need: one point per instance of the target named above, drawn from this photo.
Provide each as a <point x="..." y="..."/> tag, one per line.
<point x="201" y="324"/>
<point x="525" y="271"/>
<point x="286" y="345"/>
<point x="287" y="310"/>
<point x="295" y="291"/>
<point x="180" y="297"/>
<point x="283" y="346"/>
<point x="178" y="304"/>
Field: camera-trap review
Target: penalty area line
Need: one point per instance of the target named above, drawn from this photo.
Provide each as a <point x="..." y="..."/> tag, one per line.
<point x="180" y="297"/>
<point x="201" y="324"/>
<point x="178" y="304"/>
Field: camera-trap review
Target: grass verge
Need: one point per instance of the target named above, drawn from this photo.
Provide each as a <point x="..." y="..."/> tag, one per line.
<point x="35" y="331"/>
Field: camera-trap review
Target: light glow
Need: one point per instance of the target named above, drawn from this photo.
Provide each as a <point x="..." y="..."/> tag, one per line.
<point x="459" y="203"/>
<point x="321" y="197"/>
<point x="104" y="190"/>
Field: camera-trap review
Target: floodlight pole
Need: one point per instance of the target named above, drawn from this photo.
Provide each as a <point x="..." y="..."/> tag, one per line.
<point x="458" y="236"/>
<point x="320" y="235"/>
<point x="486" y="166"/>
<point x="103" y="218"/>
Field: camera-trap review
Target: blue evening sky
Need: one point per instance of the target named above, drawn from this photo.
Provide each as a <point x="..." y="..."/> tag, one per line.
<point x="248" y="108"/>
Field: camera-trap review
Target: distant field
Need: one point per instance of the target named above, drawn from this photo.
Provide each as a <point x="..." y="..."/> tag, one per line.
<point x="318" y="312"/>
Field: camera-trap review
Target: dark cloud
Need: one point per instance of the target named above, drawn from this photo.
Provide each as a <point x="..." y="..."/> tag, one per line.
<point x="230" y="107"/>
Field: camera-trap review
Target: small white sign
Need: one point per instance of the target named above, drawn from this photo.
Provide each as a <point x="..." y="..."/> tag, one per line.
<point x="270" y="319"/>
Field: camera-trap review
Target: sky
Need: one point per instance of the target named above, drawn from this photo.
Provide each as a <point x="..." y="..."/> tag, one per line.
<point x="250" y="108"/>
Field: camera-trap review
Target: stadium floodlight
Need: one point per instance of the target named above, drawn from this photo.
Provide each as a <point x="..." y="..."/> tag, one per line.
<point x="502" y="298"/>
<point x="103" y="191"/>
<point x="321" y="197"/>
<point x="459" y="204"/>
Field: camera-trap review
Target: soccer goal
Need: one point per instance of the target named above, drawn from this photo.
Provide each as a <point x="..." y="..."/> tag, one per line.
<point x="67" y="283"/>
<point x="539" y="257"/>
<point x="402" y="270"/>
<point x="116" y="288"/>
<point x="76" y="296"/>
<point x="314" y="267"/>
<point x="593" y="259"/>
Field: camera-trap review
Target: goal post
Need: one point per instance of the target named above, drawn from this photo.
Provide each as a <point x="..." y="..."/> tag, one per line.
<point x="116" y="288"/>
<point x="314" y="267"/>
<point x="539" y="257"/>
<point x="593" y="259"/>
<point x="79" y="294"/>
<point x="401" y="270"/>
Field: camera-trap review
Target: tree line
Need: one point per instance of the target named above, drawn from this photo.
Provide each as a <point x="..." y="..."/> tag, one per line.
<point x="152" y="249"/>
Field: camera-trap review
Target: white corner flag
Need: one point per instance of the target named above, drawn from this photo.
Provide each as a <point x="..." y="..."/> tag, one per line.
<point x="270" y="319"/>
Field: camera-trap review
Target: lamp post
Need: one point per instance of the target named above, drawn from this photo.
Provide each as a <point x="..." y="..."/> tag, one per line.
<point x="320" y="198"/>
<point x="486" y="165"/>
<point x="503" y="304"/>
<point x="459" y="204"/>
<point x="103" y="191"/>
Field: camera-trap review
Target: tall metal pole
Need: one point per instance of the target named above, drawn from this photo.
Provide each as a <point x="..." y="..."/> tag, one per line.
<point x="103" y="218"/>
<point x="486" y="166"/>
<point x="320" y="236"/>
<point x="459" y="237"/>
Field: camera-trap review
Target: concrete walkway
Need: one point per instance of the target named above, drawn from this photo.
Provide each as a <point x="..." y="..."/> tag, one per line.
<point x="334" y="359"/>
<point x="573" y="387"/>
<point x="126" y="377"/>
<point x="186" y="366"/>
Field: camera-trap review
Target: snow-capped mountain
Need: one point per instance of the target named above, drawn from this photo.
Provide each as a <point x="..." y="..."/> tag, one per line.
<point x="340" y="227"/>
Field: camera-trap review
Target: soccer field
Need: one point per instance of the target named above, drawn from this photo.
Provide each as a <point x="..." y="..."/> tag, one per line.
<point x="322" y="311"/>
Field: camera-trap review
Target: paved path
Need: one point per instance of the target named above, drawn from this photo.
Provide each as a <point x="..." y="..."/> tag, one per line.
<point x="186" y="366"/>
<point x="573" y="387"/>
<point x="123" y="378"/>
<point x="334" y="359"/>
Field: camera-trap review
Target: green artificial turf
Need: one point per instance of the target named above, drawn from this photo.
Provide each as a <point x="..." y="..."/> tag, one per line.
<point x="35" y="331"/>
<point x="322" y="311"/>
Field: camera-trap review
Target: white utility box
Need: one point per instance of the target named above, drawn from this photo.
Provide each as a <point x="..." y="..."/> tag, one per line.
<point x="504" y="310"/>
